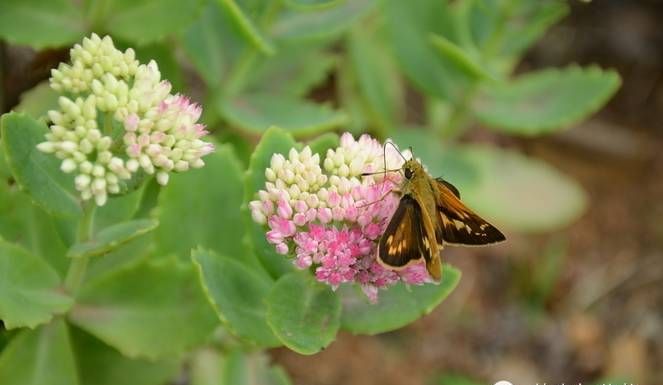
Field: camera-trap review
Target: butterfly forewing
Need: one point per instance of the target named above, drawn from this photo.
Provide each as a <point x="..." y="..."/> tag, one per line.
<point x="458" y="224"/>
<point x="403" y="241"/>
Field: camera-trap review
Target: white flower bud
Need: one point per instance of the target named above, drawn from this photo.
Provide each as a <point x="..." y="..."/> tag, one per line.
<point x="68" y="165"/>
<point x="47" y="147"/>
<point x="162" y="178"/>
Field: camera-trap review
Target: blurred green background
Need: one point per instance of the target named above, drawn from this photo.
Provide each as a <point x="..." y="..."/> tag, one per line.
<point x="498" y="96"/>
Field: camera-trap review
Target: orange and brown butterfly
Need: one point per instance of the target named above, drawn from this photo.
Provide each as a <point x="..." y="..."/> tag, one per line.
<point x="429" y="216"/>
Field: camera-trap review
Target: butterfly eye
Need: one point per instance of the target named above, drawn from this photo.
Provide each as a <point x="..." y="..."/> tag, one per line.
<point x="408" y="173"/>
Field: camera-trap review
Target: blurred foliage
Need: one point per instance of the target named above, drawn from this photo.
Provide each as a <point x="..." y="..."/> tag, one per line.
<point x="423" y="73"/>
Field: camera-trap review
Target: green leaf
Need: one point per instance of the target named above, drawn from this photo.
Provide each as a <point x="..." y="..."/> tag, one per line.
<point x="293" y="71"/>
<point x="201" y="208"/>
<point x="530" y="21"/>
<point x="25" y="224"/>
<point x="150" y="310"/>
<point x="30" y="292"/>
<point x="133" y="252"/>
<point x="118" y="208"/>
<point x="275" y="140"/>
<point x="42" y="356"/>
<point x="545" y="101"/>
<point x="519" y="192"/>
<point x="249" y="30"/>
<point x="255" y="113"/>
<point x="248" y="369"/>
<point x="320" y="23"/>
<point x="38" y="100"/>
<point x="410" y="25"/>
<point x="147" y="21"/>
<point x="99" y="364"/>
<point x="324" y="142"/>
<point x="111" y="238"/>
<point x="397" y="306"/>
<point x="378" y="80"/>
<point x="41" y="24"/>
<point x="465" y="62"/>
<point x="203" y="42"/>
<point x="237" y="294"/>
<point x="303" y="313"/>
<point x="35" y="171"/>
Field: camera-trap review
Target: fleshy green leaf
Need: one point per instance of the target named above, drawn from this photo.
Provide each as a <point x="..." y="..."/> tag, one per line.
<point x="324" y="142"/>
<point x="99" y="364"/>
<point x="38" y="100"/>
<point x="201" y="208"/>
<point x="147" y="310"/>
<point x="303" y="313"/>
<point x="397" y="306"/>
<point x="35" y="171"/>
<point x="40" y="24"/>
<point x="255" y="113"/>
<point x="320" y="23"/>
<point x="37" y="357"/>
<point x="519" y="192"/>
<point x="465" y="62"/>
<point x="544" y="101"/>
<point x="247" y="369"/>
<point x="111" y="238"/>
<point x="118" y="208"/>
<point x="530" y="21"/>
<point x="377" y="78"/>
<point x="275" y="140"/>
<point x="248" y="28"/>
<point x="146" y="21"/>
<point x="30" y="292"/>
<point x="293" y="71"/>
<point x="27" y="225"/>
<point x="410" y="25"/>
<point x="203" y="43"/>
<point x="237" y="294"/>
<point x="134" y="251"/>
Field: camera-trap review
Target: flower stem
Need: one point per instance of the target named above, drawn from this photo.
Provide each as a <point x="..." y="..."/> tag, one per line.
<point x="78" y="266"/>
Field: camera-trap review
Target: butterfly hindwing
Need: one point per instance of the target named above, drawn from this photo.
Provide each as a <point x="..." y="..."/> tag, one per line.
<point x="402" y="241"/>
<point x="457" y="224"/>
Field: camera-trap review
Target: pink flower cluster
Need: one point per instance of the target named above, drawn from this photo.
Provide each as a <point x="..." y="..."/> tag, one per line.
<point x="332" y="220"/>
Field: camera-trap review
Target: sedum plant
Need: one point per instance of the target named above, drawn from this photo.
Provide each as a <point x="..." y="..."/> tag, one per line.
<point x="136" y="247"/>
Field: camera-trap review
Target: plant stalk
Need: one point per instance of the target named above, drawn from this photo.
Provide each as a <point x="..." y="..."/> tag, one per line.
<point x="78" y="266"/>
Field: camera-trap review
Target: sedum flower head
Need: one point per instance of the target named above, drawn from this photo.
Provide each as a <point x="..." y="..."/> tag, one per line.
<point x="329" y="217"/>
<point x="145" y="127"/>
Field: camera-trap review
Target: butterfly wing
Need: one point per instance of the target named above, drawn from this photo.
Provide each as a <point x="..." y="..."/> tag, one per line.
<point x="457" y="224"/>
<point x="402" y="241"/>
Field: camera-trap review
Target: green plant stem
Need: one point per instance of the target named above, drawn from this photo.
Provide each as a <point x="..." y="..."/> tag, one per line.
<point x="78" y="266"/>
<point x="460" y="115"/>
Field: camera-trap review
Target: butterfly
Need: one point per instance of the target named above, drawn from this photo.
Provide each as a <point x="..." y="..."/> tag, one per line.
<point x="429" y="216"/>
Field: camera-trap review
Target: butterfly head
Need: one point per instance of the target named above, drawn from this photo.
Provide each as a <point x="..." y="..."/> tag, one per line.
<point x="412" y="168"/>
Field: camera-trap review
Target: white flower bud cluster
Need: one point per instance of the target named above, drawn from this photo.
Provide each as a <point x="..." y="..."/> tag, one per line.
<point x="167" y="139"/>
<point x="161" y="133"/>
<point x="92" y="60"/>
<point x="354" y="157"/>
<point x="76" y="139"/>
<point x="297" y="182"/>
